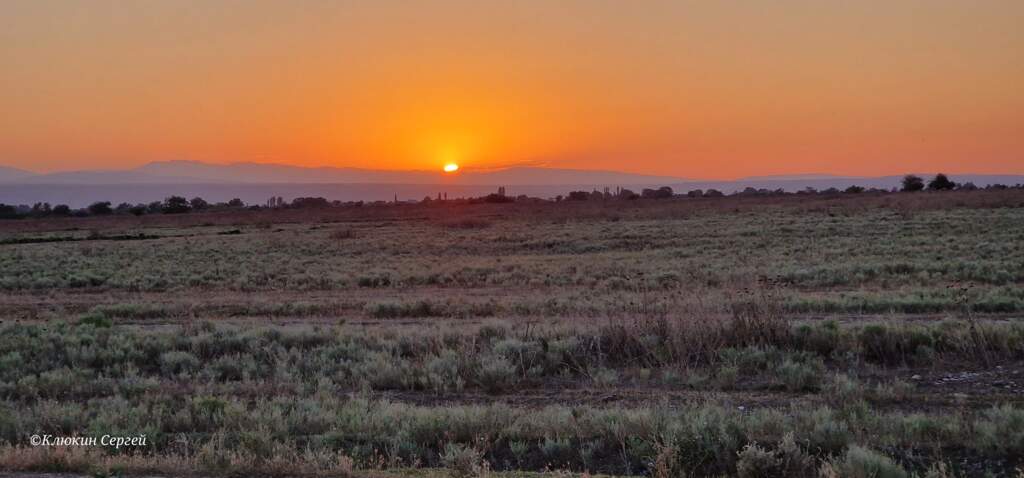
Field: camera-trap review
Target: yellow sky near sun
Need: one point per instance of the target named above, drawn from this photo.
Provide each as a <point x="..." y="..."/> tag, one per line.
<point x="698" y="89"/>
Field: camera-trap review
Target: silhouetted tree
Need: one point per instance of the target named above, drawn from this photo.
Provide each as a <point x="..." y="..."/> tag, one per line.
<point x="40" y="209"/>
<point x="912" y="183"/>
<point x="9" y="212"/>
<point x="138" y="209"/>
<point x="61" y="210"/>
<point x="660" y="193"/>
<point x="854" y="189"/>
<point x="968" y="186"/>
<point x="236" y="203"/>
<point x="198" y="203"/>
<point x="496" y="198"/>
<point x="627" y="194"/>
<point x="578" y="196"/>
<point x="941" y="183"/>
<point x="175" y="205"/>
<point x="696" y="193"/>
<point x="713" y="193"/>
<point x="316" y="202"/>
<point x="101" y="208"/>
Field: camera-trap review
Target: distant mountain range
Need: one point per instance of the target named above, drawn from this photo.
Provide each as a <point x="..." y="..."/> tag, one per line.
<point x="8" y="174"/>
<point x="200" y="172"/>
<point x="255" y="182"/>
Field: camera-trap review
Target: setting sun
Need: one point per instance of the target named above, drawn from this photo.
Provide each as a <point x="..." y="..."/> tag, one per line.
<point x="451" y="167"/>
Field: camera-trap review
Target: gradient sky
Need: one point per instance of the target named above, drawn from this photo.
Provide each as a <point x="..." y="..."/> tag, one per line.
<point x="708" y="89"/>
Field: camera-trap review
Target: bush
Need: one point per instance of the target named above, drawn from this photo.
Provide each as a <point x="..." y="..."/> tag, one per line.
<point x="756" y="462"/>
<point x="843" y="389"/>
<point x="941" y="183"/>
<point x="176" y="362"/>
<point x="912" y="183"/>
<point x="1002" y="430"/>
<point x="464" y="461"/>
<point x="496" y="373"/>
<point x="800" y="377"/>
<point x="861" y="462"/>
<point x="175" y="205"/>
<point x="96" y="320"/>
<point x="795" y="461"/>
<point x="100" y="208"/>
<point x="198" y="203"/>
<point x="392" y="310"/>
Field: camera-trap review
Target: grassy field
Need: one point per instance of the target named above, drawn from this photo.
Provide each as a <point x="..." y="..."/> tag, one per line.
<point x="854" y="335"/>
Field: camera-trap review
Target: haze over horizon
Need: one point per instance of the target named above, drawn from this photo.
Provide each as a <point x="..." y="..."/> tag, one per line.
<point x="683" y="89"/>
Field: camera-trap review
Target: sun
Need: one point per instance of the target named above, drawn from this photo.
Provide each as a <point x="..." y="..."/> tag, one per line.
<point x="451" y="167"/>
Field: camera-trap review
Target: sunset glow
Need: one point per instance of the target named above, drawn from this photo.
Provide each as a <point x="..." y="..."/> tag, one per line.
<point x="451" y="167"/>
<point x="685" y="88"/>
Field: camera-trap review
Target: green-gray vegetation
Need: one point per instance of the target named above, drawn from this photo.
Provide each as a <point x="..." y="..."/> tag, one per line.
<point x="684" y="338"/>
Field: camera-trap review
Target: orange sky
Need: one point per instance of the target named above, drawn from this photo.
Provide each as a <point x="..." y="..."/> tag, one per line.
<point x="708" y="89"/>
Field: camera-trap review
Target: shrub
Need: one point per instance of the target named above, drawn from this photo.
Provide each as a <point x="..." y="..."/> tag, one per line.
<point x="800" y="377"/>
<point x="96" y="320"/>
<point x="393" y="310"/>
<point x="558" y="451"/>
<point x="101" y="208"/>
<point x="198" y="203"/>
<point x="443" y="372"/>
<point x="176" y="362"/>
<point x="496" y="373"/>
<point x="518" y="448"/>
<point x="175" y="205"/>
<point x="861" y="462"/>
<point x="756" y="462"/>
<point x="827" y="434"/>
<point x="795" y="461"/>
<point x="1002" y="430"/>
<point x="464" y="461"/>
<point x="941" y="183"/>
<point x="912" y="183"/>
<point x="844" y="389"/>
<point x="603" y="376"/>
<point x="382" y="280"/>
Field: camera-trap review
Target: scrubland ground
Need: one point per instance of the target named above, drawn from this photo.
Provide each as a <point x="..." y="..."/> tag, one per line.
<point x="804" y="336"/>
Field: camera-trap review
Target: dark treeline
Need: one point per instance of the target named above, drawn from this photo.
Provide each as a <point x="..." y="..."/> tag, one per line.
<point x="181" y="205"/>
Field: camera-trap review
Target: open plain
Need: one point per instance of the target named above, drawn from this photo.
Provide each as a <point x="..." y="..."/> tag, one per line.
<point x="821" y="335"/>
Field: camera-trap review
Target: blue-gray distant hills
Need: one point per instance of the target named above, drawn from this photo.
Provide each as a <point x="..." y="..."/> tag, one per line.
<point x="200" y="172"/>
<point x="255" y="182"/>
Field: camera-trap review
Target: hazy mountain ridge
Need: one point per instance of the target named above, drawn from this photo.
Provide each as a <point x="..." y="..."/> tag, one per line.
<point x="254" y="183"/>
<point x="8" y="173"/>
<point x="262" y="173"/>
<point x="187" y="172"/>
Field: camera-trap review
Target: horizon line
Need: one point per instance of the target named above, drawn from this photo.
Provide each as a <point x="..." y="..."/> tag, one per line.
<point x="488" y="170"/>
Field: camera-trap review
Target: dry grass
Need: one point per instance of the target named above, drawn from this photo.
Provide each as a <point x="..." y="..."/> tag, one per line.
<point x="683" y="336"/>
